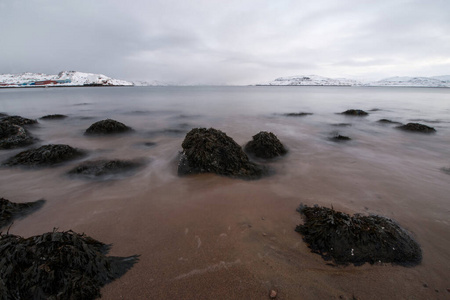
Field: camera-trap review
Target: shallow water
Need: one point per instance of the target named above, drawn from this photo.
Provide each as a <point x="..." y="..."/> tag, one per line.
<point x="211" y="237"/>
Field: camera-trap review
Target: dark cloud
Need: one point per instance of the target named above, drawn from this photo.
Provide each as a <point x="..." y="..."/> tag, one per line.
<point x="232" y="42"/>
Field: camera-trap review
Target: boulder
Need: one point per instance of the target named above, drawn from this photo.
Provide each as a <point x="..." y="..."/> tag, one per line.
<point x="265" y="145"/>
<point x="355" y="112"/>
<point x="386" y="121"/>
<point x="57" y="265"/>
<point x="357" y="239"/>
<point x="104" y="167"/>
<point x="107" y="126"/>
<point x="340" y="138"/>
<point x="54" y="117"/>
<point x="417" y="127"/>
<point x="10" y="210"/>
<point x="18" y="120"/>
<point x="212" y="151"/>
<point x="46" y="155"/>
<point x="14" y="136"/>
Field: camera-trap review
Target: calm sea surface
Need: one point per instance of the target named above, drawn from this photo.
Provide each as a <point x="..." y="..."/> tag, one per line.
<point x="211" y="236"/>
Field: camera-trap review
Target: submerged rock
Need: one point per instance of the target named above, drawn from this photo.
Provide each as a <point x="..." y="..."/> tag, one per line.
<point x="46" y="155"/>
<point x="107" y="126"/>
<point x="357" y="239"/>
<point x="57" y="265"/>
<point x="355" y="112"/>
<point x="54" y="117"/>
<point x="299" y="114"/>
<point x="265" y="145"/>
<point x="212" y="151"/>
<point x="14" y="136"/>
<point x="446" y="170"/>
<point x="342" y="124"/>
<point x="104" y="167"/>
<point x="10" y="210"/>
<point x="417" y="127"/>
<point x="18" y="120"/>
<point x="386" y="121"/>
<point x="340" y="138"/>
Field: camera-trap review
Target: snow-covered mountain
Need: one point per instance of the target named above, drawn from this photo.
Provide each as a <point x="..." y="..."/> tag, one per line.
<point x="313" y="80"/>
<point x="435" y="81"/>
<point x="64" y="78"/>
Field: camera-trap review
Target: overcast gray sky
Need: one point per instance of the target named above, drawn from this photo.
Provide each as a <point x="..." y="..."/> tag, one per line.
<point x="226" y="41"/>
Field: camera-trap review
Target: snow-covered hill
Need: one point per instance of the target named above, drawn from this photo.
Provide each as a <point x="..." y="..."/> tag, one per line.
<point x="64" y="78"/>
<point x="436" y="81"/>
<point x="313" y="80"/>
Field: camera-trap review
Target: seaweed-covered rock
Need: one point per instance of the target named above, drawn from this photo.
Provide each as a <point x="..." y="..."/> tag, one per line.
<point x="10" y="210"/>
<point x="417" y="127"/>
<point x="386" y="121"/>
<point x="104" y="167"/>
<point x="57" y="265"/>
<point x="357" y="239"/>
<point x="355" y="112"/>
<point x="299" y="114"/>
<point x="46" y="155"/>
<point x="212" y="151"/>
<point x="14" y="136"/>
<point x="107" y="126"/>
<point x="54" y="117"/>
<point x="18" y="120"/>
<point x="265" y="145"/>
<point x="340" y="138"/>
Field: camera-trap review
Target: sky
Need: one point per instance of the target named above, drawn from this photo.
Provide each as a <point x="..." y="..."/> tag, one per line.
<point x="230" y="42"/>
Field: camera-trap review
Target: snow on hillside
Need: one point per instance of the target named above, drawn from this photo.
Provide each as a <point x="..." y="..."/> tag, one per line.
<point x="65" y="78"/>
<point x="437" y="81"/>
<point x="313" y="80"/>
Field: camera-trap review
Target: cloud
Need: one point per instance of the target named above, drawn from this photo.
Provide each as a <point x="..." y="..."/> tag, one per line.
<point x="233" y="42"/>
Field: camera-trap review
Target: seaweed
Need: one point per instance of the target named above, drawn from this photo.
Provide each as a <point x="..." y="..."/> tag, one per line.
<point x="265" y="145"/>
<point x="46" y="155"/>
<point x="107" y="126"/>
<point x="357" y="239"/>
<point x="212" y="151"/>
<point x="417" y="127"/>
<point x="10" y="210"/>
<point x="57" y="265"/>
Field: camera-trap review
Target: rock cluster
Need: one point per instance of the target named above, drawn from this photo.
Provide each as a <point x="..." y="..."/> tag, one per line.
<point x="104" y="167"/>
<point x="357" y="239"/>
<point x="46" y="155"/>
<point x="57" y="265"/>
<point x="265" y="145"/>
<point x="212" y="151"/>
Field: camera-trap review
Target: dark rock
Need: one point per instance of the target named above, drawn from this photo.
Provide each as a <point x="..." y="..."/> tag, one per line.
<point x="10" y="210"/>
<point x="17" y="120"/>
<point x="340" y="138"/>
<point x="299" y="114"/>
<point x="357" y="239"/>
<point x="107" y="126"/>
<point x="3" y="115"/>
<point x="446" y="170"/>
<point x="355" y="112"/>
<point x="417" y="127"/>
<point x="265" y="145"/>
<point x="46" y="155"/>
<point x="14" y="136"/>
<point x="57" y="265"/>
<point x="386" y="121"/>
<point x="54" y="117"/>
<point x="212" y="151"/>
<point x="342" y="124"/>
<point x="104" y="167"/>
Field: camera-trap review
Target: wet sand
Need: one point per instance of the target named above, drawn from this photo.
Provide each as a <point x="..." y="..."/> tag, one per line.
<point x="211" y="237"/>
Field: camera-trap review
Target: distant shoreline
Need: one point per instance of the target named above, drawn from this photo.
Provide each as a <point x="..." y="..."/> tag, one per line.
<point x="60" y="86"/>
